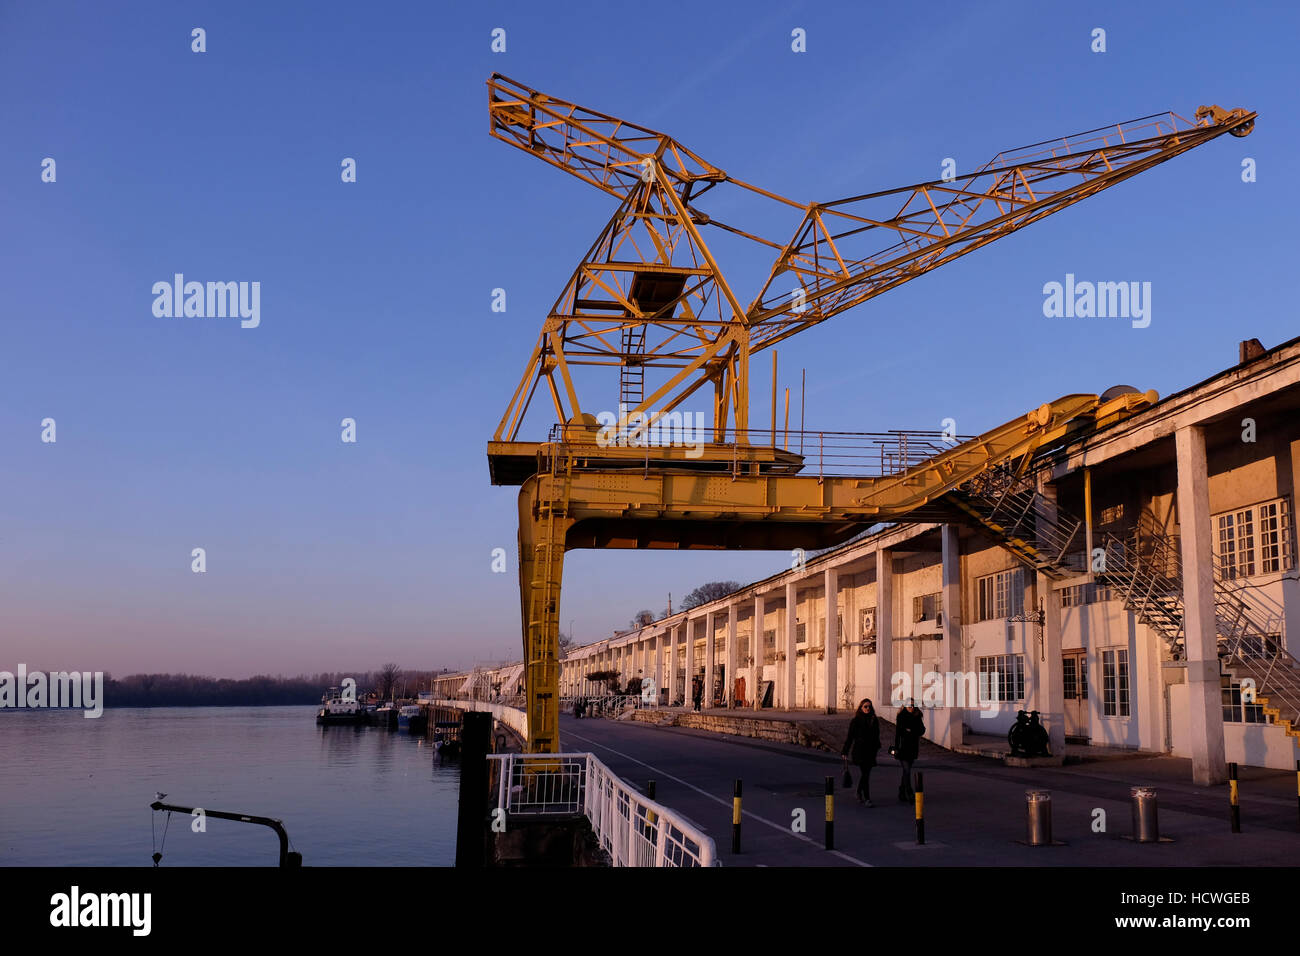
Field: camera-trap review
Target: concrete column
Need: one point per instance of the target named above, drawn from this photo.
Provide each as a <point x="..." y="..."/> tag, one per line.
<point x="1053" y="696"/>
<point x="687" y="695"/>
<point x="787" y="667"/>
<point x="947" y="722"/>
<point x="659" y="664"/>
<point x="1204" y="699"/>
<point x="760" y="619"/>
<point x="733" y="612"/>
<point x="832" y="648"/>
<point x="672" y="663"/>
<point x="947" y="731"/>
<point x="851" y="633"/>
<point x="884" y="627"/>
<point x="710" y="658"/>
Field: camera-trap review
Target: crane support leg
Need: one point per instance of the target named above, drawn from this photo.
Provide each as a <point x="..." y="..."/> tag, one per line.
<point x="579" y="504"/>
<point x="543" y="526"/>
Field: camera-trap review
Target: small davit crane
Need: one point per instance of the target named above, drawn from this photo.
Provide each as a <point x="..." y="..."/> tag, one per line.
<point x="650" y="300"/>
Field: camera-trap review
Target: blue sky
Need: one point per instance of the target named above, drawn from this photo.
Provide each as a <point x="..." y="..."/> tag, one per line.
<point x="375" y="296"/>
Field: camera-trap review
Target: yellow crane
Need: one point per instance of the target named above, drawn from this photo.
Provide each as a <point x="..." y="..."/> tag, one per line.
<point x="649" y="300"/>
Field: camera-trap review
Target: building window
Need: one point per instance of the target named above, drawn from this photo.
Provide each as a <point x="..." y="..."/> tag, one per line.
<point x="1007" y="677"/>
<point x="1274" y="536"/>
<point x="1237" y="543"/>
<point x="1000" y="595"/>
<point x="1112" y="514"/>
<point x="800" y="633"/>
<point x="1114" y="682"/>
<point x="928" y="607"/>
<point x="1074" y="677"/>
<point x="1237" y="711"/>
<point x="1077" y="595"/>
<point x="769" y="646"/>
<point x="868" y="643"/>
<point x="821" y="630"/>
<point x="1254" y="540"/>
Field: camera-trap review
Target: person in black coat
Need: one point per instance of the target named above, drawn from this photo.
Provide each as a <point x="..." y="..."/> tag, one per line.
<point x="861" y="745"/>
<point x="910" y="728"/>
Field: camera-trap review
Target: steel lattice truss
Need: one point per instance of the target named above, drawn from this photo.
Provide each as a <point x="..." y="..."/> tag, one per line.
<point x="649" y="294"/>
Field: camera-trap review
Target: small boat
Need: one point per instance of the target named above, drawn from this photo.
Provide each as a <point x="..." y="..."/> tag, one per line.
<point x="337" y="709"/>
<point x="410" y="718"/>
<point x="446" y="738"/>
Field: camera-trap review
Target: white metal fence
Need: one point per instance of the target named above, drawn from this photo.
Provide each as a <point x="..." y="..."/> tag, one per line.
<point x="632" y="829"/>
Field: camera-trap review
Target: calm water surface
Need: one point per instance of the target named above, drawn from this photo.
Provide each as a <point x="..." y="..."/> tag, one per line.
<point x="75" y="791"/>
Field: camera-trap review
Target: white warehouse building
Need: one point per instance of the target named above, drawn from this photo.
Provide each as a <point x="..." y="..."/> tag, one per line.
<point x="1137" y="588"/>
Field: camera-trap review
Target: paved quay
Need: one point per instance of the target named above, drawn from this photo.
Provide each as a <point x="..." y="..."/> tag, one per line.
<point x="974" y="806"/>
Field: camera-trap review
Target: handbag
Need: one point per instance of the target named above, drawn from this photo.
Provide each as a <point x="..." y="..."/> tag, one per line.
<point x="848" y="778"/>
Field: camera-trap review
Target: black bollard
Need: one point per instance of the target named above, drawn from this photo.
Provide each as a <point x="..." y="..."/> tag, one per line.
<point x="830" y="813"/>
<point x="1297" y="784"/>
<point x="1234" y="798"/>
<point x="650" y="789"/>
<point x="475" y="733"/>
<point x="735" y="819"/>
<point x="919" y="789"/>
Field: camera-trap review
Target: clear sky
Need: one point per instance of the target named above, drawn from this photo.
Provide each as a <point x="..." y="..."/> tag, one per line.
<point x="178" y="433"/>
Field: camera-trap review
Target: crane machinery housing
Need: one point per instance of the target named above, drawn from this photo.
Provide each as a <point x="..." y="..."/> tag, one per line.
<point x="650" y="300"/>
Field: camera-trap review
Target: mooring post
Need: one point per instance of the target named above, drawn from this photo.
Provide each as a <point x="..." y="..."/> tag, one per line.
<point x="735" y="818"/>
<point x="830" y="813"/>
<point x="1234" y="798"/>
<point x="475" y="734"/>
<point x="918" y="795"/>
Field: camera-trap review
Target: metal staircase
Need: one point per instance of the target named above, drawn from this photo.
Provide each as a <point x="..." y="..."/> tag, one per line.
<point x="1015" y="514"/>
<point x="1144" y="570"/>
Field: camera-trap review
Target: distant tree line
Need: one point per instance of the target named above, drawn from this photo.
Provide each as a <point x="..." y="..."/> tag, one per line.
<point x="193" y="690"/>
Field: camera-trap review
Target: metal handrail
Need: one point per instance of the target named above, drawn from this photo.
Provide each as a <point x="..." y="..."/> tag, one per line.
<point x="1145" y="569"/>
<point x="633" y="829"/>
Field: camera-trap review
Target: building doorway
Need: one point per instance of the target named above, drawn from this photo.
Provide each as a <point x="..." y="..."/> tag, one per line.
<point x="1074" y="677"/>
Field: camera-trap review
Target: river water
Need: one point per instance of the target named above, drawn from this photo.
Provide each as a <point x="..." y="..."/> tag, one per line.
<point x="76" y="791"/>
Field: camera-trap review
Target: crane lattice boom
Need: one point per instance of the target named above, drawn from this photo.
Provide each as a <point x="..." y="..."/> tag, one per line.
<point x="649" y="294"/>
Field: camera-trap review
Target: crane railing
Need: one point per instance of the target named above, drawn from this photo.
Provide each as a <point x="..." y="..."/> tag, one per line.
<point x="806" y="452"/>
